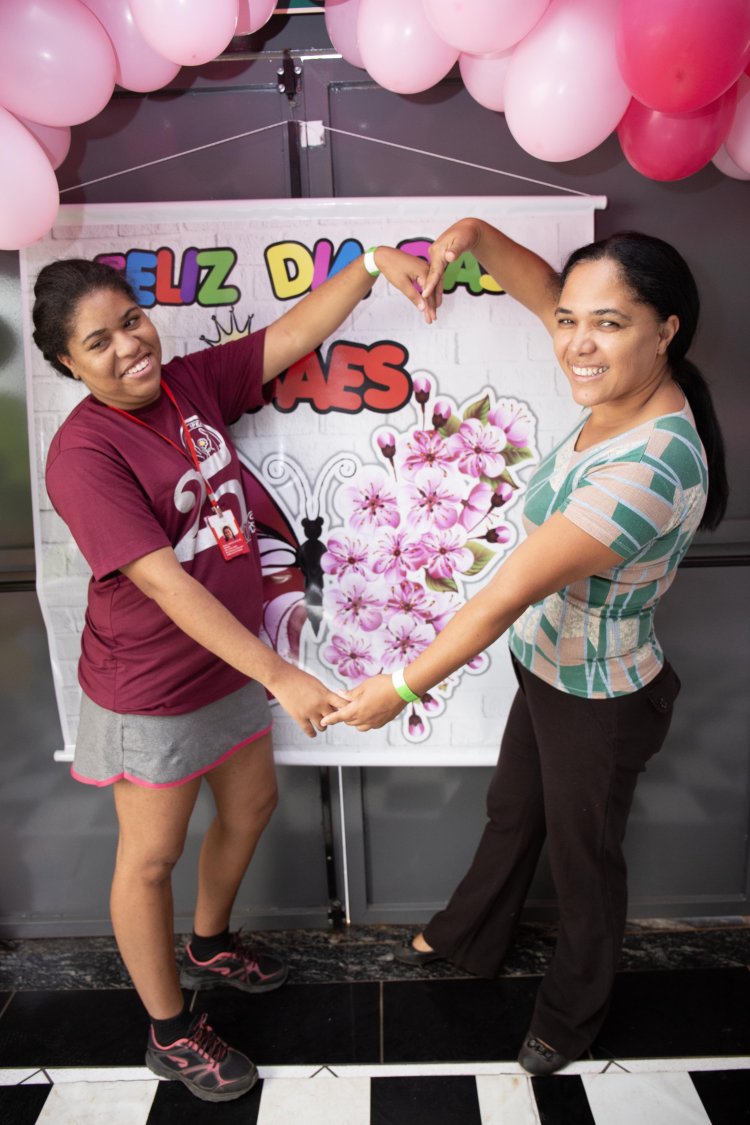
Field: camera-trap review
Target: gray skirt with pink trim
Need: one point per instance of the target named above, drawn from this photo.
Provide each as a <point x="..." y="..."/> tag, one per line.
<point x="157" y="751"/>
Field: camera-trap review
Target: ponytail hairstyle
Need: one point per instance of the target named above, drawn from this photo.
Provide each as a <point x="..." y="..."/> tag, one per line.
<point x="658" y="276"/>
<point x="59" y="289"/>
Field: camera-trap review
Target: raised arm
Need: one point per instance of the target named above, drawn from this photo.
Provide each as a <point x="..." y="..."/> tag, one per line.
<point x="554" y="555"/>
<point x="320" y="313"/>
<point x="198" y="613"/>
<point x="522" y="273"/>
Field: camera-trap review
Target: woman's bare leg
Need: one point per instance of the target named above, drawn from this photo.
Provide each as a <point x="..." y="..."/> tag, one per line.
<point x="244" y="789"/>
<point x="153" y="824"/>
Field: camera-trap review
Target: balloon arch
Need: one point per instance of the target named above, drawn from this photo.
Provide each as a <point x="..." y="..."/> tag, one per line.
<point x="672" y="79"/>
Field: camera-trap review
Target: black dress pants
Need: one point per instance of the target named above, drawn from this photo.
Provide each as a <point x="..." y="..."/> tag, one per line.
<point x="567" y="771"/>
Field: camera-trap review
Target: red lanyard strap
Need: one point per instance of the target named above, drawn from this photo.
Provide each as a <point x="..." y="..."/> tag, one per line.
<point x="188" y="441"/>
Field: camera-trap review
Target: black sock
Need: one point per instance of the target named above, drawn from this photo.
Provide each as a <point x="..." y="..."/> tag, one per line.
<point x="204" y="948"/>
<point x="167" y="1031"/>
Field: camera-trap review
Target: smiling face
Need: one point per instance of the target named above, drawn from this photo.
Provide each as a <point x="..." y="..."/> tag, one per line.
<point x="114" y="350"/>
<point x="612" y="348"/>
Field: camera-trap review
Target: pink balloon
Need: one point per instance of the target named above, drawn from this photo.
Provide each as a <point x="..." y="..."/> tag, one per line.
<point x="484" y="78"/>
<point x="54" y="139"/>
<point x="677" y="56"/>
<point x="670" y="146"/>
<point x="341" y="24"/>
<point x="29" y="197"/>
<point x="253" y="15"/>
<point x="563" y="93"/>
<point x="483" y="27"/>
<point x="137" y="66"/>
<point x="738" y="137"/>
<point x="725" y="164"/>
<point x="57" y="65"/>
<point x="189" y="32"/>
<point x="399" y="48"/>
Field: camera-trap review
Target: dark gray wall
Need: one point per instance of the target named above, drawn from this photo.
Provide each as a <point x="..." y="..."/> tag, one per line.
<point x="409" y="832"/>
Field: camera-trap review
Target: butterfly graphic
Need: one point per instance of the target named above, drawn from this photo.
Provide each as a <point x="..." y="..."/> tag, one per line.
<point x="290" y="556"/>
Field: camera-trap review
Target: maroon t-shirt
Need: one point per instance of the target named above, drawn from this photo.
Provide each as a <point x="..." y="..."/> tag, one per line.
<point x="124" y="491"/>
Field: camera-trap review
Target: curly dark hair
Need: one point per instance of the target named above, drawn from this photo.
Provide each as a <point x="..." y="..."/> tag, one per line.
<point x="58" y="291"/>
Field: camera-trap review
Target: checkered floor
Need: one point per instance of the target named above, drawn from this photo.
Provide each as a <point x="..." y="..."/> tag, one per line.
<point x="646" y="1091"/>
<point x="675" y="1050"/>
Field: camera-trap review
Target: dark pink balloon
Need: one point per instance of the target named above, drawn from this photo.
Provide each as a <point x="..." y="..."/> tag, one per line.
<point x="680" y="55"/>
<point x="670" y="146"/>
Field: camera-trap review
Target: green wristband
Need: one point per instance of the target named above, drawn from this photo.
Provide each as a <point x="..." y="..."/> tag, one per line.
<point x="369" y="262"/>
<point x="401" y="686"/>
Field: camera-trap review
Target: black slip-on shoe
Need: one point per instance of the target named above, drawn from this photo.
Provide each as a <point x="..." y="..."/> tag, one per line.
<point x="408" y="955"/>
<point x="536" y="1058"/>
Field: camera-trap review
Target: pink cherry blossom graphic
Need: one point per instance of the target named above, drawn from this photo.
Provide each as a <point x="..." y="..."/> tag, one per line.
<point x="370" y="503"/>
<point x="412" y="537"/>
<point x="404" y="639"/>
<point x="426" y="450"/>
<point x="354" y="604"/>
<point x="394" y="555"/>
<point x="351" y="656"/>
<point x="479" y="449"/>
<point x="345" y="555"/>
<point x="444" y="552"/>
<point x="434" y="503"/>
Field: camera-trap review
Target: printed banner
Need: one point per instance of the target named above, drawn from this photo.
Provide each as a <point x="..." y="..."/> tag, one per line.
<point x="385" y="477"/>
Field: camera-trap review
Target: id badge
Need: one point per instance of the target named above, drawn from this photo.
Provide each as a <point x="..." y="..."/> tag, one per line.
<point x="228" y="535"/>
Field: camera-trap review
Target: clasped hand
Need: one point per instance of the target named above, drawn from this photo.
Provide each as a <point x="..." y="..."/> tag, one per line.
<point x="370" y="705"/>
<point x="421" y="283"/>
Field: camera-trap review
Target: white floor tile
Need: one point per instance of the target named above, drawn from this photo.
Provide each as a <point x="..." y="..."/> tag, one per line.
<point x="101" y="1074"/>
<point x="644" y="1099"/>
<point x="322" y="1100"/>
<point x="98" y="1103"/>
<point x="30" y="1076"/>
<point x="506" y="1100"/>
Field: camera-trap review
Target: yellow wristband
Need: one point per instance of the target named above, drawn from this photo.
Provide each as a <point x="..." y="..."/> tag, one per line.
<point x="369" y="262"/>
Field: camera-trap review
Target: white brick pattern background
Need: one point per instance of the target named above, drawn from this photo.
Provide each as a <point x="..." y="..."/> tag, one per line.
<point x="477" y="342"/>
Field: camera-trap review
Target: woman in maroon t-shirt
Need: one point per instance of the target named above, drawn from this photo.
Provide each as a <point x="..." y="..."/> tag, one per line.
<point x="136" y="471"/>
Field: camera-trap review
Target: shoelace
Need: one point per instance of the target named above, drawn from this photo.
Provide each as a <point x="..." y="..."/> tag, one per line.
<point x="249" y="956"/>
<point x="204" y="1039"/>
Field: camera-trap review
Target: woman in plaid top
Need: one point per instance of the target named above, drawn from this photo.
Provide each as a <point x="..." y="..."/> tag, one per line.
<point x="609" y="515"/>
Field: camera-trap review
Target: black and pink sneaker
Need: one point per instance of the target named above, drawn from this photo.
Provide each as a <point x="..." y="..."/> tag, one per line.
<point x="240" y="967"/>
<point x="204" y="1063"/>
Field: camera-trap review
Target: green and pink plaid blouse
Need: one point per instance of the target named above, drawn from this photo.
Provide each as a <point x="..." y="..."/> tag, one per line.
<point x="642" y="493"/>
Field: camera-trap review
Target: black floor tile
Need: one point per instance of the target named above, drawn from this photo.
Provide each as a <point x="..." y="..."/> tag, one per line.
<point x="424" y="1101"/>
<point x="91" y="1028"/>
<point x="725" y="1095"/>
<point x="173" y="1104"/>
<point x="21" y="1105"/>
<point x="677" y="1013"/>
<point x="456" y="1020"/>
<point x="300" y="1023"/>
<point x="561" y="1100"/>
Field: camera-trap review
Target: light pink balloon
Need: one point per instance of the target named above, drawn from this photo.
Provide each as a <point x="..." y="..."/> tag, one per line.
<point x="54" y="139"/>
<point x="677" y="56"/>
<point x="563" y="92"/>
<point x="253" y="15"/>
<point x="725" y="164"/>
<point x="399" y="48"/>
<point x="341" y="24"/>
<point x="137" y="65"/>
<point x="481" y="27"/>
<point x="671" y="146"/>
<point x="738" y="137"/>
<point x="29" y="197"/>
<point x="57" y="65"/>
<point x="484" y="78"/>
<point x="189" y="32"/>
